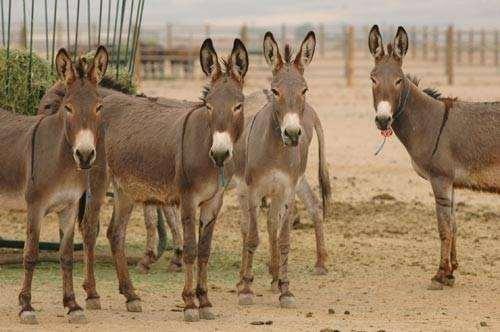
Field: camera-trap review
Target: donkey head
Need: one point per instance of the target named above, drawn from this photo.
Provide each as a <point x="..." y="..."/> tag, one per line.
<point x="223" y="98"/>
<point x="82" y="103"/>
<point x="288" y="85"/>
<point x="388" y="80"/>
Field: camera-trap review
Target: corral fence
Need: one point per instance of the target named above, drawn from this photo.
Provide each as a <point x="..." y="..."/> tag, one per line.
<point x="171" y="50"/>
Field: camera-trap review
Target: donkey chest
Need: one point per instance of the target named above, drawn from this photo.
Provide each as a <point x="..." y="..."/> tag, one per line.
<point x="61" y="197"/>
<point x="276" y="182"/>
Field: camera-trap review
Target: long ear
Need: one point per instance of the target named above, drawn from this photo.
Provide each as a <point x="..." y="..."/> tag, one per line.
<point x="306" y="53"/>
<point x="64" y="67"/>
<point x="99" y="65"/>
<point x="209" y="60"/>
<point x="239" y="60"/>
<point x="375" y="43"/>
<point x="272" y="52"/>
<point x="400" y="43"/>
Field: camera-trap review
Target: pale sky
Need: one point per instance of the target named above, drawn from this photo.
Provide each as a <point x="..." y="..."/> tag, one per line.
<point x="461" y="13"/>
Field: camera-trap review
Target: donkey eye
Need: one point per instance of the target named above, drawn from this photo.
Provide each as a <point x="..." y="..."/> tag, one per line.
<point x="374" y="81"/>
<point x="398" y="81"/>
<point x="68" y="109"/>
<point x="98" y="108"/>
<point x="238" y="107"/>
<point x="305" y="91"/>
<point x="275" y="92"/>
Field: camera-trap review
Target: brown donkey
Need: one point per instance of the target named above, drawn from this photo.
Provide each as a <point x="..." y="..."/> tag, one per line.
<point x="170" y="156"/>
<point x="452" y="144"/>
<point x="271" y="160"/>
<point x="43" y="166"/>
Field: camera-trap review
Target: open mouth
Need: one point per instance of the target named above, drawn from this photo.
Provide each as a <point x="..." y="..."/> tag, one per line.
<point x="386" y="132"/>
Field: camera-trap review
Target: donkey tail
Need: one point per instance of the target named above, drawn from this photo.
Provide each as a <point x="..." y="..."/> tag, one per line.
<point x="323" y="175"/>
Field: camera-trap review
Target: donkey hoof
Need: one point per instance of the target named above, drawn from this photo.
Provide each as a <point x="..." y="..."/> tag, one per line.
<point x="191" y="315"/>
<point x="274" y="287"/>
<point x="435" y="285"/>
<point x="134" y="306"/>
<point x="206" y="313"/>
<point x="288" y="302"/>
<point x="77" y="317"/>
<point x="320" y="271"/>
<point x="93" y="304"/>
<point x="449" y="280"/>
<point x="142" y="268"/>
<point x="28" y="317"/>
<point x="245" y="299"/>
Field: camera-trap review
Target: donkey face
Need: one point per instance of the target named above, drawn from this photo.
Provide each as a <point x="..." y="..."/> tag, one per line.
<point x="82" y="103"/>
<point x="387" y="76"/>
<point x="224" y="98"/>
<point x="288" y="85"/>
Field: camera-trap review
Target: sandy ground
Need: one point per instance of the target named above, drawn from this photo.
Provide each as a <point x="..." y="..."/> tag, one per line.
<point x="382" y="252"/>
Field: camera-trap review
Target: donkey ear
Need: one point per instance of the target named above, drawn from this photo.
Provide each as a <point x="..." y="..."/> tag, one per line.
<point x="271" y="51"/>
<point x="64" y="67"/>
<point x="239" y="60"/>
<point x="400" y="43"/>
<point x="99" y="65"/>
<point x="375" y="43"/>
<point x="209" y="60"/>
<point x="306" y="53"/>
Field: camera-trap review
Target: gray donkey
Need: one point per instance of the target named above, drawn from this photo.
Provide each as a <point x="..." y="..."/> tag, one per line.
<point x="44" y="163"/>
<point x="271" y="159"/>
<point x="170" y="156"/>
<point x="452" y="144"/>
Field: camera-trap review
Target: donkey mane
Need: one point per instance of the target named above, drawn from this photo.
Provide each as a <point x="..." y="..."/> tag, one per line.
<point x="432" y="92"/>
<point x="288" y="54"/>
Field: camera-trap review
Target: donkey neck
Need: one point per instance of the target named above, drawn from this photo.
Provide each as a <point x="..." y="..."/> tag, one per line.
<point x="417" y="125"/>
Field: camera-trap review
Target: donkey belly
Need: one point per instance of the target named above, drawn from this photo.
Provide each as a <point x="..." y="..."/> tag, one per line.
<point x="276" y="183"/>
<point x="13" y="201"/>
<point x="143" y="191"/>
<point x="485" y="179"/>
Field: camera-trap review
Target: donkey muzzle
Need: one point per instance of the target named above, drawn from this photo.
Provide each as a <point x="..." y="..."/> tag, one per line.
<point x="219" y="157"/>
<point x="383" y="121"/>
<point x="84" y="158"/>
<point x="291" y="136"/>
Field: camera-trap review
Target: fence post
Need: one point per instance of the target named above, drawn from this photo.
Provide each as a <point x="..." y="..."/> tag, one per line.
<point x="497" y="47"/>
<point x="413" y="42"/>
<point x="349" y="55"/>
<point x="283" y="34"/>
<point x="459" y="46"/>
<point x="483" y="47"/>
<point x="207" y="30"/>
<point x="244" y="34"/>
<point x="449" y="55"/>
<point x="424" y="43"/>
<point x="435" y="43"/>
<point x="471" y="46"/>
<point x="169" y="36"/>
<point x="322" y="40"/>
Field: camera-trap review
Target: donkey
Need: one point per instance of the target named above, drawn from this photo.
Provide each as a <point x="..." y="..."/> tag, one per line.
<point x="452" y="144"/>
<point x="162" y="156"/>
<point x="271" y="161"/>
<point x="44" y="163"/>
<point x="155" y="226"/>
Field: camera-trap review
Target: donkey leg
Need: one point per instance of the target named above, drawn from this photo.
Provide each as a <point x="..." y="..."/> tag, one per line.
<point x="150" y="256"/>
<point x="208" y="216"/>
<point x="443" y="189"/>
<point x="287" y="299"/>
<point x="67" y="225"/>
<point x="30" y="256"/>
<point x="450" y="280"/>
<point x="273" y="225"/>
<point x="189" y="253"/>
<point x="116" y="235"/>
<point x="312" y="204"/>
<point x="89" y="228"/>
<point x="172" y="218"/>
<point x="250" y="237"/>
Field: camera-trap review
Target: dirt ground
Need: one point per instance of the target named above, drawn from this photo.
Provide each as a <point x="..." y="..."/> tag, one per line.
<point x="383" y="252"/>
